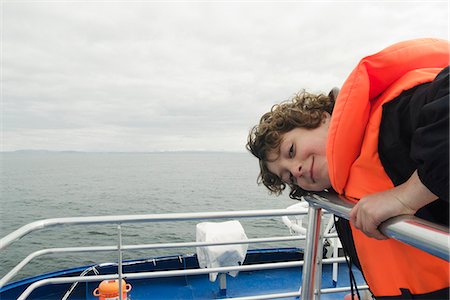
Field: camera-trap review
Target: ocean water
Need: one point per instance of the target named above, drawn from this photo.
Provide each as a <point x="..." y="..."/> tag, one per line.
<point x="40" y="185"/>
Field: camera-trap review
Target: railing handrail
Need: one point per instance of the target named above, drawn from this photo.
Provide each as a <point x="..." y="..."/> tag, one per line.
<point x="411" y="230"/>
<point x="121" y="219"/>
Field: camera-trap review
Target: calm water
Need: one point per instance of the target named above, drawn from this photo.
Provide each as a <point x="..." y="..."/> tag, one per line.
<point x="47" y="185"/>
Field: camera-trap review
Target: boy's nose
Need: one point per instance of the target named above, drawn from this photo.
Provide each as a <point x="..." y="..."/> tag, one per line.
<point x="296" y="170"/>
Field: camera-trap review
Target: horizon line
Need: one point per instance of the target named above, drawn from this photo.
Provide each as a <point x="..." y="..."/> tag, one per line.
<point x="114" y="151"/>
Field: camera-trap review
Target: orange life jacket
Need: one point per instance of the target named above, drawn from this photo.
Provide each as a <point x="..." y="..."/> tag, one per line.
<point x="355" y="168"/>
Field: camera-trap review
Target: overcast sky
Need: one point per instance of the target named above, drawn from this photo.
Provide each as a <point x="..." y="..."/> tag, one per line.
<point x="180" y="75"/>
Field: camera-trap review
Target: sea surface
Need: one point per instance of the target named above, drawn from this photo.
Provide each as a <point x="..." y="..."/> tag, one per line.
<point x="40" y="185"/>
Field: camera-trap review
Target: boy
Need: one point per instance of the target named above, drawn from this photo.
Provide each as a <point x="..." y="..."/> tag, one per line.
<point x="382" y="140"/>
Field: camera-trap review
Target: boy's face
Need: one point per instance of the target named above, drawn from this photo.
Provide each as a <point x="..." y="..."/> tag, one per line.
<point x="302" y="158"/>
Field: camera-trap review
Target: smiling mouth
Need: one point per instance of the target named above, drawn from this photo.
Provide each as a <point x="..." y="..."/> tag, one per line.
<point x="311" y="173"/>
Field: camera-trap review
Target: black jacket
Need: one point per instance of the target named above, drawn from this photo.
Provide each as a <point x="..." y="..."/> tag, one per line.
<point x="414" y="134"/>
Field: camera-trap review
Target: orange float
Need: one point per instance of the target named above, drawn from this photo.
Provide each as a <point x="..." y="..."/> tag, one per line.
<point x="109" y="290"/>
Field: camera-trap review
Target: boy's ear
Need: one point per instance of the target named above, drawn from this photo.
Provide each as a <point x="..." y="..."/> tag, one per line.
<point x="333" y="93"/>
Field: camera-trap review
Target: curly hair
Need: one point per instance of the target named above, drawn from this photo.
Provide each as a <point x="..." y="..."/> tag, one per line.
<point x="302" y="110"/>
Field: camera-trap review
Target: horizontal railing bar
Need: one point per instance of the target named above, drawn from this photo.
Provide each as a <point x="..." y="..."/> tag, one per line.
<point x="298" y="293"/>
<point x="269" y="296"/>
<point x="171" y="217"/>
<point x="342" y="289"/>
<point x="421" y="234"/>
<point x="418" y="233"/>
<point x="174" y="273"/>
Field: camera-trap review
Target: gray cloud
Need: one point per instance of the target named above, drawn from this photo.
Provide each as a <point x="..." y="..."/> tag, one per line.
<point x="144" y="76"/>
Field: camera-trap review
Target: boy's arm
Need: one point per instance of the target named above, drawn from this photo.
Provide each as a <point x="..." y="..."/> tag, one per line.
<point x="373" y="209"/>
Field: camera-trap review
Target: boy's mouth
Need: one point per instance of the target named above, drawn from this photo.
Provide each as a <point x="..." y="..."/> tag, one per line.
<point x="311" y="171"/>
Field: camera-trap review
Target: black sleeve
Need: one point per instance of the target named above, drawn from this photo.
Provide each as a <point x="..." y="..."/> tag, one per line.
<point x="429" y="146"/>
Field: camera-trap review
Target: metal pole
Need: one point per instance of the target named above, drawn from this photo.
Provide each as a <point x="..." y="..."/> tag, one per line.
<point x="119" y="265"/>
<point x="312" y="241"/>
<point x="319" y="254"/>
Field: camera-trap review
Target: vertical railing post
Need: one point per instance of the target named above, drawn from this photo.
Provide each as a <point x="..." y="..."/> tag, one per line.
<point x="312" y="245"/>
<point x="119" y="265"/>
<point x="319" y="255"/>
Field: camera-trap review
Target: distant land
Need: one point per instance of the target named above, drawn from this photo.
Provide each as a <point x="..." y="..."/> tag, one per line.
<point x="44" y="151"/>
<point x="41" y="151"/>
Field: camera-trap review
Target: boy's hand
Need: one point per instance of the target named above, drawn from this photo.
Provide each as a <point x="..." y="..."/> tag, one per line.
<point x="404" y="199"/>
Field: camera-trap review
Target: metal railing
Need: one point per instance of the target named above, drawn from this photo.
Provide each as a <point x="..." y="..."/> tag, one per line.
<point x="34" y="226"/>
<point x="409" y="230"/>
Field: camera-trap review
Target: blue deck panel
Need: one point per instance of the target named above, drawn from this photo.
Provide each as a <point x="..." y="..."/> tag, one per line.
<point x="245" y="284"/>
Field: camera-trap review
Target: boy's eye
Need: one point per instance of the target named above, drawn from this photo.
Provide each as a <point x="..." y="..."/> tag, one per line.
<point x="291" y="151"/>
